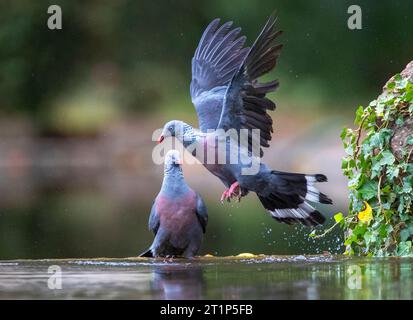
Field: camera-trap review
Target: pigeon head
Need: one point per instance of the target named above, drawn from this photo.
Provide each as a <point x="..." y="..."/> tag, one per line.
<point x="173" y="161"/>
<point x="174" y="128"/>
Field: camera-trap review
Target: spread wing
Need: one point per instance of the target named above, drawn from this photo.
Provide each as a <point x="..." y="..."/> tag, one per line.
<point x="245" y="104"/>
<point x="201" y="212"/>
<point x="219" y="55"/>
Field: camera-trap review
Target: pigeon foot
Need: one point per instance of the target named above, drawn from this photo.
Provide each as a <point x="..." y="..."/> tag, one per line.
<point x="233" y="191"/>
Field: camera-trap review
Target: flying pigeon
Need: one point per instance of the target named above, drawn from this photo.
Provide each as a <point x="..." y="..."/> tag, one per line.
<point x="178" y="217"/>
<point x="227" y="95"/>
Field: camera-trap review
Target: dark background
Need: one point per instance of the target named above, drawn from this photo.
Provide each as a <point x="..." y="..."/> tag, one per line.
<point x="79" y="105"/>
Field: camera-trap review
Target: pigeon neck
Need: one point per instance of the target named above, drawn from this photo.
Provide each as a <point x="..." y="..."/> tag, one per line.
<point x="174" y="182"/>
<point x="189" y="136"/>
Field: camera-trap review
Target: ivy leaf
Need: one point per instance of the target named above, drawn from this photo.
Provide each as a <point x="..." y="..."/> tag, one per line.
<point x="408" y="97"/>
<point x="380" y="109"/>
<point x="399" y="121"/>
<point x="338" y="217"/>
<point x="392" y="172"/>
<point x="377" y="233"/>
<point x="356" y="181"/>
<point x="369" y="237"/>
<point x="360" y="229"/>
<point x="343" y="134"/>
<point x="407" y="185"/>
<point x="359" y="115"/>
<point x="404" y="248"/>
<point x="387" y="158"/>
<point x="391" y="85"/>
<point x="404" y="234"/>
<point x="366" y="215"/>
<point x="368" y="190"/>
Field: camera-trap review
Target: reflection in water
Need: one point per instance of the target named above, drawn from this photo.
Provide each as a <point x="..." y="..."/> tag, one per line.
<point x="178" y="282"/>
<point x="384" y="281"/>
<point x="267" y="277"/>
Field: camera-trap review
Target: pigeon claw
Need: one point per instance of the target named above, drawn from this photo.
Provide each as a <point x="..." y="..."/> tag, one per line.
<point x="224" y="196"/>
<point x="233" y="191"/>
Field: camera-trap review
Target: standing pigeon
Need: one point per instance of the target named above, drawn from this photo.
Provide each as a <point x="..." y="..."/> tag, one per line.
<point x="227" y="95"/>
<point x="178" y="216"/>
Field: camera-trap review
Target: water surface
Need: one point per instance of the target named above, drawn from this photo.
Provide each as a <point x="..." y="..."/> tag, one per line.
<point x="258" y="277"/>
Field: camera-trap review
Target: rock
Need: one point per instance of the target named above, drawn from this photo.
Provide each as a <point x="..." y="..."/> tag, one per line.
<point x="398" y="143"/>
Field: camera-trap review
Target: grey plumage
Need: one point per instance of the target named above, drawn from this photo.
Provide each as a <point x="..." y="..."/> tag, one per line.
<point x="227" y="95"/>
<point x="217" y="57"/>
<point x="178" y="216"/>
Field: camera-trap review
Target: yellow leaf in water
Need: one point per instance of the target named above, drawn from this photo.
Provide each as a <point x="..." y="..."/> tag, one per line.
<point x="208" y="255"/>
<point x="246" y="255"/>
<point x="367" y="214"/>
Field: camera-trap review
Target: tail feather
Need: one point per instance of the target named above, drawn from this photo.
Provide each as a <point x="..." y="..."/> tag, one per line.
<point x="148" y="254"/>
<point x="287" y="201"/>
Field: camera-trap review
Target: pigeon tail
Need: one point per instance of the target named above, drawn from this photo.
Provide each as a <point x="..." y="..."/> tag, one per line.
<point x="288" y="202"/>
<point x="148" y="254"/>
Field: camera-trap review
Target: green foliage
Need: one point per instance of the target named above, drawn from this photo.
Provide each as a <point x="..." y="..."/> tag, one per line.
<point x="380" y="220"/>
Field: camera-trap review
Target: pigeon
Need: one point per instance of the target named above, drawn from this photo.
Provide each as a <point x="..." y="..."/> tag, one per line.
<point x="178" y="217"/>
<point x="227" y="96"/>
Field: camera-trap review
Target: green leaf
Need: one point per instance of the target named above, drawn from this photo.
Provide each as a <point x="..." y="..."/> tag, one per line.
<point x="392" y="172"/>
<point x="338" y="217"/>
<point x="360" y="229"/>
<point x="391" y="85"/>
<point x="343" y="134"/>
<point x="368" y="190"/>
<point x="404" y="248"/>
<point x="359" y="115"/>
<point x="387" y="158"/>
<point x="407" y="185"/>
<point x="404" y="234"/>
<point x="399" y="120"/>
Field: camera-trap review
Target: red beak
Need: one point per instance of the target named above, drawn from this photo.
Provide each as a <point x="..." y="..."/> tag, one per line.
<point x="160" y="139"/>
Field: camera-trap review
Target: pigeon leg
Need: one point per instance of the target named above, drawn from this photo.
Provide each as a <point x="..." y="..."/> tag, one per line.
<point x="234" y="190"/>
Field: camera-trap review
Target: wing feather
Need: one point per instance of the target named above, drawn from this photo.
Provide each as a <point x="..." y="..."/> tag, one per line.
<point x="201" y="212"/>
<point x="245" y="103"/>
<point x="218" y="56"/>
<point x="154" y="220"/>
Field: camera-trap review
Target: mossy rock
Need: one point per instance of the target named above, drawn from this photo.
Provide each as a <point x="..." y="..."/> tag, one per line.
<point x="380" y="171"/>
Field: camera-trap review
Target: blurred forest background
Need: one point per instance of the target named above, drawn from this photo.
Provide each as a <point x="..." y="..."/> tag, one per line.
<point x="78" y="107"/>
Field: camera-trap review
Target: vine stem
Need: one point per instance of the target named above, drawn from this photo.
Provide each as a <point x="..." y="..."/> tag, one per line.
<point x="379" y="192"/>
<point x="359" y="136"/>
<point x="410" y="153"/>
<point x="326" y="231"/>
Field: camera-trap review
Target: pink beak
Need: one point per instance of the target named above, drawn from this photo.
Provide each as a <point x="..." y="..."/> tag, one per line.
<point x="160" y="139"/>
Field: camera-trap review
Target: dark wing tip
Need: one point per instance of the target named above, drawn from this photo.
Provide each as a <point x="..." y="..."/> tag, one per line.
<point x="321" y="178"/>
<point x="323" y="198"/>
<point x="316" y="218"/>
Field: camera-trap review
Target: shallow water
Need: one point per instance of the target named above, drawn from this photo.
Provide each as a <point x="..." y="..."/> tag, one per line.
<point x="258" y="277"/>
